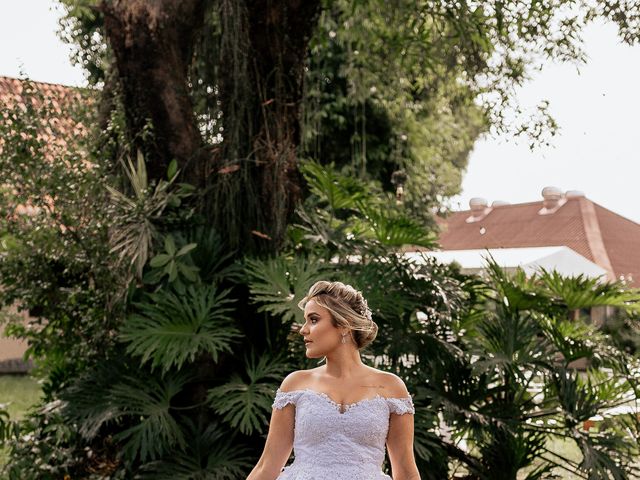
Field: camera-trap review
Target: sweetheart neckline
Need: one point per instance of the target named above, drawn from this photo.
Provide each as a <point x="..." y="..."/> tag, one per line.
<point x="347" y="406"/>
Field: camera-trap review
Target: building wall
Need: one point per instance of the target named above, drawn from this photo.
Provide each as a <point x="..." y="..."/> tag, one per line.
<point x="12" y="351"/>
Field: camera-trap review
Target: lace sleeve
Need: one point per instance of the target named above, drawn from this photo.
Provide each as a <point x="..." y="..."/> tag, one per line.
<point x="284" y="398"/>
<point x="401" y="406"/>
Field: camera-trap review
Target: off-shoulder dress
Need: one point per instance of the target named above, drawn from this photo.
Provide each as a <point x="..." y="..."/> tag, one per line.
<point x="331" y="443"/>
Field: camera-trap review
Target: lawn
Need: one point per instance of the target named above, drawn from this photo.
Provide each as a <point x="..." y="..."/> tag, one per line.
<point x="20" y="392"/>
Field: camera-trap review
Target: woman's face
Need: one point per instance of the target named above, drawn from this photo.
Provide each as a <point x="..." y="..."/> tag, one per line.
<point x="319" y="333"/>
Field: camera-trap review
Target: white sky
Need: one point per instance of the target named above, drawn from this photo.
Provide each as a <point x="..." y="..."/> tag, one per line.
<point x="597" y="149"/>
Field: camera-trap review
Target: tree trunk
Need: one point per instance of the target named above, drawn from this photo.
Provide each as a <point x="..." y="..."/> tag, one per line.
<point x="263" y="51"/>
<point x="251" y="178"/>
<point x="152" y="43"/>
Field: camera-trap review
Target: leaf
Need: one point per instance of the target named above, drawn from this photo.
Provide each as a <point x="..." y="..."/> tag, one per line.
<point x="394" y="230"/>
<point x="581" y="292"/>
<point x="110" y="394"/>
<point x="212" y="256"/>
<point x="339" y="191"/>
<point x="157" y="429"/>
<point x="172" y="271"/>
<point x="209" y="455"/>
<point x="172" y="170"/>
<point x="190" y="273"/>
<point x="246" y="404"/>
<point x="170" y="245"/>
<point x="278" y="284"/>
<point x="186" y="249"/>
<point x="159" y="260"/>
<point x="168" y="330"/>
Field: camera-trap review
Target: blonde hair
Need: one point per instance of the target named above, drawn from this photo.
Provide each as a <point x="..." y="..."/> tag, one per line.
<point x="348" y="308"/>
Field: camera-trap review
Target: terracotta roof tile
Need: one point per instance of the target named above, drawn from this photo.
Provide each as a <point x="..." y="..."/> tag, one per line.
<point x="60" y="126"/>
<point x="600" y="237"/>
<point x="57" y="124"/>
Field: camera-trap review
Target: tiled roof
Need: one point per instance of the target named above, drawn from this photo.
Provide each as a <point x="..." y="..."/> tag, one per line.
<point x="57" y="123"/>
<point x="60" y="126"/>
<point x="600" y="235"/>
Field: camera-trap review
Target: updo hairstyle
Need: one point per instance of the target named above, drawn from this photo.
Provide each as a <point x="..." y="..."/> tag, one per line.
<point x="348" y="308"/>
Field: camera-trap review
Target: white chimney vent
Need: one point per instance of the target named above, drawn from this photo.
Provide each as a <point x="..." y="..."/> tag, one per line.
<point x="479" y="209"/>
<point x="478" y="203"/>
<point x="553" y="200"/>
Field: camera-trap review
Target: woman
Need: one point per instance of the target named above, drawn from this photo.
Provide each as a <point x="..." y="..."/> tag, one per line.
<point x="338" y="416"/>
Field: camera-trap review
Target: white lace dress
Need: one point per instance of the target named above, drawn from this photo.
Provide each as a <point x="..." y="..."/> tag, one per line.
<point x="330" y="445"/>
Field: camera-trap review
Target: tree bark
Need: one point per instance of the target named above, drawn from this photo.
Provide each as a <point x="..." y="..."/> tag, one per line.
<point x="251" y="178"/>
<point x="264" y="106"/>
<point x="152" y="42"/>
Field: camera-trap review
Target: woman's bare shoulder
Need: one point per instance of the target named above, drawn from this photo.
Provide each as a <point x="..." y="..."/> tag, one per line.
<point x="391" y="384"/>
<point x="296" y="380"/>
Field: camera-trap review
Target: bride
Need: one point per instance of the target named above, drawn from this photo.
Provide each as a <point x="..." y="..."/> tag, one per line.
<point x="339" y="416"/>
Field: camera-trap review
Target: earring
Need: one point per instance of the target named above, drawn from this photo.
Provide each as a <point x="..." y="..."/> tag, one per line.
<point x="344" y="340"/>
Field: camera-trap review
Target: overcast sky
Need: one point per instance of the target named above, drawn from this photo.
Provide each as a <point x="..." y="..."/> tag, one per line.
<point x="597" y="150"/>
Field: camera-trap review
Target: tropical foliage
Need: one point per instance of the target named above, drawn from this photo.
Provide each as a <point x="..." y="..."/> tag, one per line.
<point x="162" y="257"/>
<point x="493" y="362"/>
<point x="490" y="361"/>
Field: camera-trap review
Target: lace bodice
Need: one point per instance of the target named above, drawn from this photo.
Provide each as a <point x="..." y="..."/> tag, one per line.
<point x="330" y="444"/>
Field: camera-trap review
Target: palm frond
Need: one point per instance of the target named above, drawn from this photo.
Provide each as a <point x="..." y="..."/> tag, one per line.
<point x="245" y="403"/>
<point x="582" y="292"/>
<point x="393" y="229"/>
<point x="278" y="284"/>
<point x="209" y="455"/>
<point x="141" y="406"/>
<point x="339" y="191"/>
<point x="583" y="396"/>
<point x="514" y="292"/>
<point x="505" y="453"/>
<point x="169" y="330"/>
<point x="601" y="458"/>
<point x="510" y="341"/>
<point x="574" y="340"/>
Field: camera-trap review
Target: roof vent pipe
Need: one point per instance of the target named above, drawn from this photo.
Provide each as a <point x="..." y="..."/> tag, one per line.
<point x="478" y="204"/>
<point x="552" y="197"/>
<point x="553" y="200"/>
<point x="479" y="209"/>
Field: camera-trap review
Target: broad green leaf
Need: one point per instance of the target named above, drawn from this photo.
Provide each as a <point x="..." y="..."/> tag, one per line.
<point x="168" y="330"/>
